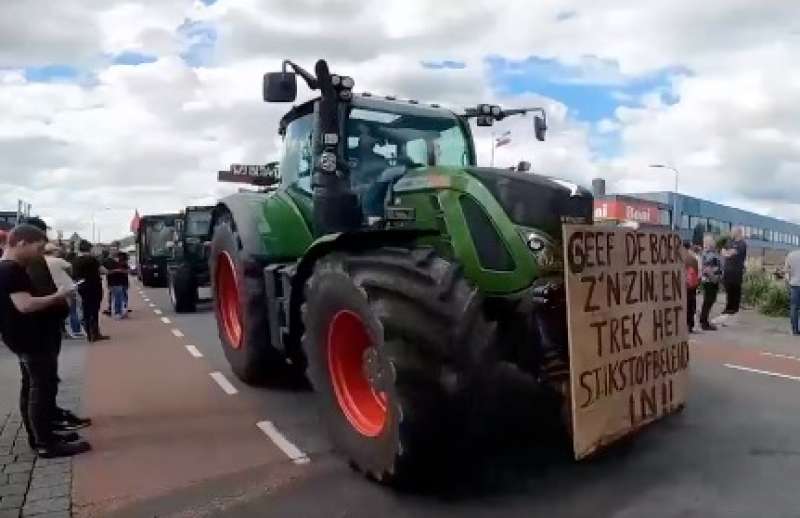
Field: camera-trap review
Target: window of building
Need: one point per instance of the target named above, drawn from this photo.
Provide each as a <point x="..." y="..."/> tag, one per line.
<point x="665" y="217"/>
<point x="685" y="221"/>
<point x="697" y="221"/>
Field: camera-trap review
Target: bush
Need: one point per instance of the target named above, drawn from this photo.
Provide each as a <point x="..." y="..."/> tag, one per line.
<point x="755" y="286"/>
<point x="775" y="301"/>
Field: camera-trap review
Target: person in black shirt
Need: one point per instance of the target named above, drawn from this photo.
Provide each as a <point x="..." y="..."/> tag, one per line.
<point x="733" y="273"/>
<point x="117" y="280"/>
<point x="50" y="325"/>
<point x="87" y="268"/>
<point x="19" y="310"/>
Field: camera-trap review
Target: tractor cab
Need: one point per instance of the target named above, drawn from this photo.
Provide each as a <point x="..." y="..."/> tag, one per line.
<point x="383" y="139"/>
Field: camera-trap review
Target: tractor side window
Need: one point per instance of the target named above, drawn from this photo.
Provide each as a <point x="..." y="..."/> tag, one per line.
<point x="417" y="151"/>
<point x="296" y="162"/>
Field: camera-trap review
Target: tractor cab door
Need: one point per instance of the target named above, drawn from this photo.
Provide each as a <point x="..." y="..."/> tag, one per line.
<point x="297" y="162"/>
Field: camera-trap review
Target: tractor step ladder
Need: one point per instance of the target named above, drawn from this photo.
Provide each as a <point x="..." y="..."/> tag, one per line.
<point x="277" y="280"/>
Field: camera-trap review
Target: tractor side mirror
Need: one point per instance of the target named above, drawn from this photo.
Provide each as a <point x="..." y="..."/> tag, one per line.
<point x="539" y="127"/>
<point x="280" y="87"/>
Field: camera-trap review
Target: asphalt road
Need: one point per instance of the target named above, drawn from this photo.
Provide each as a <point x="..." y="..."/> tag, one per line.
<point x="172" y="441"/>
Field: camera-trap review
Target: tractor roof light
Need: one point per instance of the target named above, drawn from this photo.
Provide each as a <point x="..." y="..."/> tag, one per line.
<point x="335" y="80"/>
<point x="496" y="111"/>
<point x="348" y="82"/>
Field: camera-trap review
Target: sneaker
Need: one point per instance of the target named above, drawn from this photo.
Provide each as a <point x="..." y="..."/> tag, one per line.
<point x="68" y="421"/>
<point x="62" y="449"/>
<point x="67" y="437"/>
<point x="708" y="327"/>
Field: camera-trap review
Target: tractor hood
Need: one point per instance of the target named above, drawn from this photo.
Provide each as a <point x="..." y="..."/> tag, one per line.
<point x="536" y="201"/>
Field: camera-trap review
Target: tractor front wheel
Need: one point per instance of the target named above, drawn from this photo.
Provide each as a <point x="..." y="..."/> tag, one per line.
<point x="394" y="339"/>
<point x="182" y="290"/>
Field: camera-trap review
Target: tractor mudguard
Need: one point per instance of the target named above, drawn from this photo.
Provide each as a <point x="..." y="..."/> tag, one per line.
<point x="357" y="240"/>
<point x="247" y="209"/>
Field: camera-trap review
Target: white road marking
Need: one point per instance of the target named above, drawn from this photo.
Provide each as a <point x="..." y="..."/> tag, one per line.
<point x="776" y="355"/>
<point x="166" y="320"/>
<point x="146" y="299"/>
<point x="759" y="371"/>
<point x="223" y="383"/>
<point x="152" y="305"/>
<point x="194" y="351"/>
<point x="293" y="452"/>
<point x="157" y="311"/>
<point x="177" y="332"/>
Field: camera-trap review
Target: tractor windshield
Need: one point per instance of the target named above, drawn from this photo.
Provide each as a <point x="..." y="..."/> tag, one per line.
<point x="379" y="142"/>
<point x="157" y="235"/>
<point x="198" y="223"/>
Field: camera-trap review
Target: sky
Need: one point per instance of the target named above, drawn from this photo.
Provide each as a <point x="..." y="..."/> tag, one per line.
<point x="122" y="105"/>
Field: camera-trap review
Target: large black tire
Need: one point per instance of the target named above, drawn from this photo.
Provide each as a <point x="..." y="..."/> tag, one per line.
<point x="183" y="290"/>
<point x="426" y="334"/>
<point x="252" y="358"/>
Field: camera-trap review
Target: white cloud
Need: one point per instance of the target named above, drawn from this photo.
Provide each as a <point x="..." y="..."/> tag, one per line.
<point x="153" y="136"/>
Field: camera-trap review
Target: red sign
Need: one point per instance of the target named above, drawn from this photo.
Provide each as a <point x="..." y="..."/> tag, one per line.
<point x="641" y="211"/>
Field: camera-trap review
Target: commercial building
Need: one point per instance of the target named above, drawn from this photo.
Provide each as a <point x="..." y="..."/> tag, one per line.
<point x="768" y="239"/>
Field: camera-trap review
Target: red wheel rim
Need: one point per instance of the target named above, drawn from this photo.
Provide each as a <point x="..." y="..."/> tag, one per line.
<point x="230" y="312"/>
<point x="363" y="407"/>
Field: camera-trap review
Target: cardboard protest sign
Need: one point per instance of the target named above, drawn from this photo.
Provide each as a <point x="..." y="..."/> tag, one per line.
<point x="628" y="337"/>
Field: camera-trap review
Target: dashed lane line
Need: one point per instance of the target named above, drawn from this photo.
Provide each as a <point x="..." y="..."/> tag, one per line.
<point x="759" y="371"/>
<point x="157" y="311"/>
<point x="194" y="351"/>
<point x="152" y="305"/>
<point x="223" y="383"/>
<point x="776" y="355"/>
<point x="177" y="332"/>
<point x="166" y="320"/>
<point x="293" y="452"/>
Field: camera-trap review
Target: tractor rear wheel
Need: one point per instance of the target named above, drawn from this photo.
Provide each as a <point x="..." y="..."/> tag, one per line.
<point x="182" y="289"/>
<point x="240" y="306"/>
<point x="394" y="339"/>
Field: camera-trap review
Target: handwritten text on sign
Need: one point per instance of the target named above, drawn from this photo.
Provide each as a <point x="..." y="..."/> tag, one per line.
<point x="628" y="340"/>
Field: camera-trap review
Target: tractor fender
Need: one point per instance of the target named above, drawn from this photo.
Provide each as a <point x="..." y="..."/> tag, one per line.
<point x="247" y="209"/>
<point x="356" y="240"/>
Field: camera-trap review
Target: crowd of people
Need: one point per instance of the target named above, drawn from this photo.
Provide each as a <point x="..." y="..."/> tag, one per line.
<point x="47" y="294"/>
<point x="707" y="268"/>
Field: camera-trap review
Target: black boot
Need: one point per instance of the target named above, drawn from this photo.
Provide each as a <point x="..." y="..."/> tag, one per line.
<point x="55" y="449"/>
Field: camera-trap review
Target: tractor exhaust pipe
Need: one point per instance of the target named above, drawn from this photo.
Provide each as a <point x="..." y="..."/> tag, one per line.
<point x="336" y="207"/>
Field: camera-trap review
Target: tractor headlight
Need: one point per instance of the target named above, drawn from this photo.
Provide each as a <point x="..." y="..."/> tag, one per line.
<point x="546" y="252"/>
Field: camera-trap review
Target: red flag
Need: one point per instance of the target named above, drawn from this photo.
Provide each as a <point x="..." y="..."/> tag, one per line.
<point x="135" y="221"/>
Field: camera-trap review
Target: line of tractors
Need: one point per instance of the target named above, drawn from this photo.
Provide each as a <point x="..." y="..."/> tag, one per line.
<point x="381" y="263"/>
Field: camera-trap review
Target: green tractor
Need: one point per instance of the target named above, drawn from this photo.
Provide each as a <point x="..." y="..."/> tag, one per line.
<point x="188" y="267"/>
<point x="391" y="270"/>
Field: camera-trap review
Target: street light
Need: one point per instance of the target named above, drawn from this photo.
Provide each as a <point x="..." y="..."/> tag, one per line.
<point x="674" y="196"/>
<point x="94" y="212"/>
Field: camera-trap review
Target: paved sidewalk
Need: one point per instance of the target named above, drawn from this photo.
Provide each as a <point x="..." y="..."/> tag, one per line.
<point x="29" y="486"/>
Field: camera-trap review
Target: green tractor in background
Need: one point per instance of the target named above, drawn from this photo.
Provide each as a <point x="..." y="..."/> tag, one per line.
<point x="391" y="270"/>
<point x="187" y="269"/>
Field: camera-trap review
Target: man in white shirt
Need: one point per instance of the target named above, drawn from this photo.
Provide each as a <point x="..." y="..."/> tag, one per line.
<point x="793" y="276"/>
<point x="60" y="270"/>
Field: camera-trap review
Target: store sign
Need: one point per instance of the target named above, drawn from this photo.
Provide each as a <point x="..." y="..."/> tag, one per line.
<point x="642" y="212"/>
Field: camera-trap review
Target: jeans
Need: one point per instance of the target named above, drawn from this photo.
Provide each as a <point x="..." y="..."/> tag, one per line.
<point x="794" y="310"/>
<point x="710" y="291"/>
<point x="37" y="395"/>
<point x="118" y="300"/>
<point x="74" y="319"/>
<point x="691" y="306"/>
